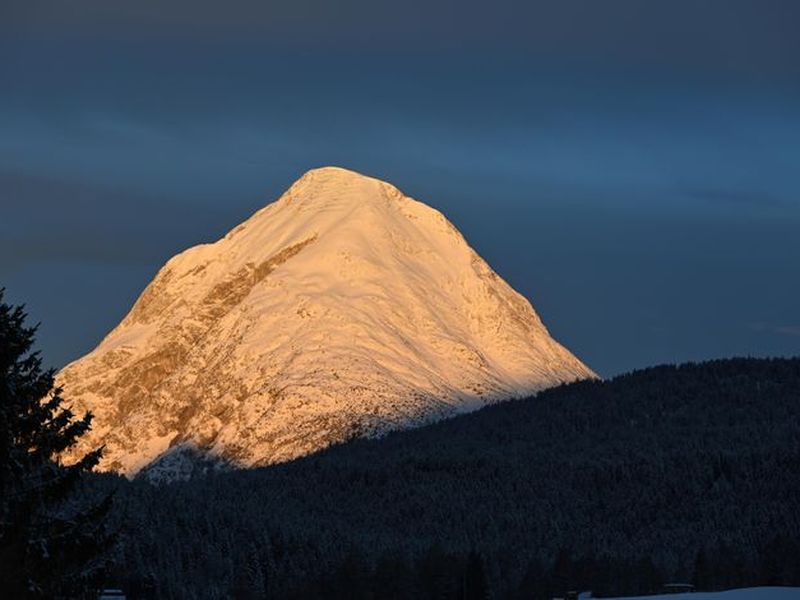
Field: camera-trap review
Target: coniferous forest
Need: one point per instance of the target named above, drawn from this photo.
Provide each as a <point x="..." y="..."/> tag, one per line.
<point x="687" y="474"/>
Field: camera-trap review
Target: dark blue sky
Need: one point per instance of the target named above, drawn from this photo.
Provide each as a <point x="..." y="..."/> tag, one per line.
<point x="631" y="167"/>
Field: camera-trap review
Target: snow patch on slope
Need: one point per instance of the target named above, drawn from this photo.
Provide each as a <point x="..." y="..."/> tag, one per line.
<point x="756" y="593"/>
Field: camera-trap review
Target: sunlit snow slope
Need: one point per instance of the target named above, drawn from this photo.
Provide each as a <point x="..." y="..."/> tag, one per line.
<point x="344" y="308"/>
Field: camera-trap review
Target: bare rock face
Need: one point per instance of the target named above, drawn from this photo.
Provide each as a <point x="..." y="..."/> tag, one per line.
<point x="342" y="309"/>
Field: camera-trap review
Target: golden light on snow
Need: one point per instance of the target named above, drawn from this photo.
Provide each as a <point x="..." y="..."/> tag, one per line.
<point x="344" y="308"/>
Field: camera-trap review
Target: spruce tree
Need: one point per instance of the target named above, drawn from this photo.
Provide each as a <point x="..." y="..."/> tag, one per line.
<point x="701" y="580"/>
<point x="475" y="586"/>
<point x="51" y="536"/>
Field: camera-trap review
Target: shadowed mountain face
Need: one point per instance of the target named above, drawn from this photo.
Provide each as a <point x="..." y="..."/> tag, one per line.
<point x="343" y="309"/>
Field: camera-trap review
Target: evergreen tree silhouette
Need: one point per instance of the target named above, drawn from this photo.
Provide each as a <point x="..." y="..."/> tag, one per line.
<point x="702" y="572"/>
<point x="50" y="539"/>
<point x="474" y="584"/>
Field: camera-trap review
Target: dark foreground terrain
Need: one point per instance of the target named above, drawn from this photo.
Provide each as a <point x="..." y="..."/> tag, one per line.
<point x="688" y="473"/>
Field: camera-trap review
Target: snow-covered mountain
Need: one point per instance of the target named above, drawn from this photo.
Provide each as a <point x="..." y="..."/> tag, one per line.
<point x="344" y="308"/>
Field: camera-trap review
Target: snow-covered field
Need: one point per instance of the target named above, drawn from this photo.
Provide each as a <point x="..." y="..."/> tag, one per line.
<point x="756" y="593"/>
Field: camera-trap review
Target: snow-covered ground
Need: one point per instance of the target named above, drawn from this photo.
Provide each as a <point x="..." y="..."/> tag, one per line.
<point x="756" y="593"/>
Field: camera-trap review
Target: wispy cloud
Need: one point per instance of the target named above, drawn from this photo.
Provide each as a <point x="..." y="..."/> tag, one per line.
<point x="736" y="197"/>
<point x="792" y="330"/>
<point x="47" y="219"/>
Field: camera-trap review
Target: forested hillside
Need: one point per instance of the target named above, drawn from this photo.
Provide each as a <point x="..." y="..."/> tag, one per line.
<point x="670" y="473"/>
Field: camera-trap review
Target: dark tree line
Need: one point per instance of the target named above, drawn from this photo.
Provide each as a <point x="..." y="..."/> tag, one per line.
<point x="440" y="575"/>
<point x="687" y="474"/>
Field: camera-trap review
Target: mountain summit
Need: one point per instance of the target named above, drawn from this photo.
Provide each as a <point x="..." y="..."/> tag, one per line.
<point x="344" y="308"/>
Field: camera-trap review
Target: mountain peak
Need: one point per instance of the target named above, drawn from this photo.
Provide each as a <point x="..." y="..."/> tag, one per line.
<point x="344" y="308"/>
<point x="334" y="173"/>
<point x="340" y="186"/>
<point x="336" y="179"/>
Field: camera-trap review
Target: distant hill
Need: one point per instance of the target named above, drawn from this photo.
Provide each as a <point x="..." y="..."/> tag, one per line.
<point x="688" y="473"/>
